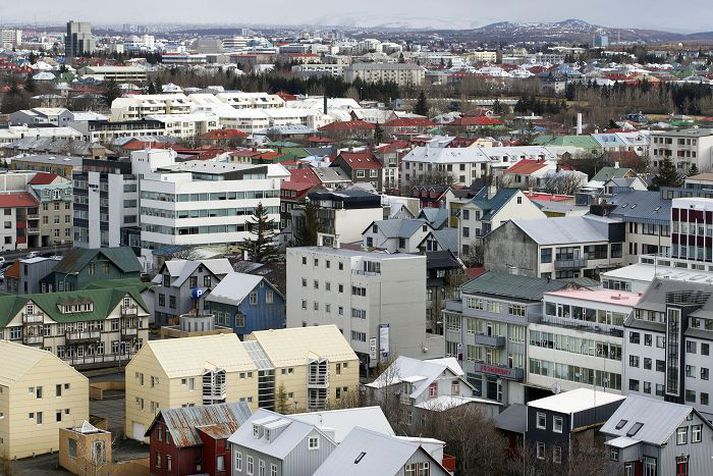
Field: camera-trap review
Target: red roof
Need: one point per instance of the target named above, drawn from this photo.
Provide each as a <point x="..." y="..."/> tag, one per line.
<point x="393" y="146"/>
<point x="361" y="160"/>
<point x="301" y="180"/>
<point x="318" y="140"/>
<point x="286" y="96"/>
<point x="547" y="197"/>
<point x="347" y="126"/>
<point x="410" y="122"/>
<point x="17" y="200"/>
<point x="526" y="167"/>
<point x="481" y="121"/>
<point x="474" y="272"/>
<point x="43" y="178"/>
<point x="224" y="134"/>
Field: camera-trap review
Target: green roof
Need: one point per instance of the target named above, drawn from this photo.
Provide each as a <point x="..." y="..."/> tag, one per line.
<point x="512" y="286"/>
<point x="580" y="142"/>
<point x="104" y="301"/>
<point x="607" y="173"/>
<point x="77" y="258"/>
<point x="119" y="283"/>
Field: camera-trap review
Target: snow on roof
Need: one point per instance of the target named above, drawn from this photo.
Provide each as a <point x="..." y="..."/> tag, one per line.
<point x="575" y="401"/>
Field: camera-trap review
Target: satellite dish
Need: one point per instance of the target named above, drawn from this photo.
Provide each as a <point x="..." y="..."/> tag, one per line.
<point x="556" y="388"/>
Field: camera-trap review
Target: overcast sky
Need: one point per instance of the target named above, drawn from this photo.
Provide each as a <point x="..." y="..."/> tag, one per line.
<point x="672" y="15"/>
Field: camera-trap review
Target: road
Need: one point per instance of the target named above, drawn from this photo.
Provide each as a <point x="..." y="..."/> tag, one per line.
<point x="54" y="250"/>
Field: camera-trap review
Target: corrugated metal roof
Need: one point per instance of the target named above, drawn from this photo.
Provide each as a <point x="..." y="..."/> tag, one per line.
<point x="219" y="421"/>
<point x="400" y="227"/>
<point x="565" y="230"/>
<point x="641" y="206"/>
<point x="234" y="288"/>
<point x="512" y="286"/>
<point x="76" y="259"/>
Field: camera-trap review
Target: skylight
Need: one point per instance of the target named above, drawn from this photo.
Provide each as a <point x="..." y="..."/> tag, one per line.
<point x="621" y="424"/>
<point x="634" y="429"/>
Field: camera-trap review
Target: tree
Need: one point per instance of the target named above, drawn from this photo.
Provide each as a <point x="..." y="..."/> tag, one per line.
<point x="262" y="247"/>
<point x="30" y="85"/>
<point x="693" y="170"/>
<point x="421" y="107"/>
<point x="112" y="92"/>
<point x="378" y="133"/>
<point x="281" y="402"/>
<point x="308" y="227"/>
<point x="667" y="176"/>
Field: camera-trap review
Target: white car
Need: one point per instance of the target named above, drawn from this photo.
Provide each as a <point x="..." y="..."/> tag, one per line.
<point x="32" y="254"/>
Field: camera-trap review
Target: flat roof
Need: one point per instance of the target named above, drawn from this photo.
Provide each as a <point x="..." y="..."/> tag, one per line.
<point x="575" y="401"/>
<point x="647" y="272"/>
<point x="347" y="253"/>
<point x="609" y="296"/>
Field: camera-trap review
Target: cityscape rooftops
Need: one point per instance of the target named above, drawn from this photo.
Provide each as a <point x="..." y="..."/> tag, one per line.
<point x="574" y="401"/>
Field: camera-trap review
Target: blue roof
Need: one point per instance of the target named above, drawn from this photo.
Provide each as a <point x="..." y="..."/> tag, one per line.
<point x="491" y="206"/>
<point x="641" y="206"/>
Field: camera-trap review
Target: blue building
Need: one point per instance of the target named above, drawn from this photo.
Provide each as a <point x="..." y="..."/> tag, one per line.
<point x="247" y="303"/>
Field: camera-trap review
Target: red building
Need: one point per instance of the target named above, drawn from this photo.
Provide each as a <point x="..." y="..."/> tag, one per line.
<point x="192" y="440"/>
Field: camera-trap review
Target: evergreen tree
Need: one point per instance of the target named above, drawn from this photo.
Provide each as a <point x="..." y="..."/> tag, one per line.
<point x="306" y="233"/>
<point x="421" y="107"/>
<point x="112" y="92"/>
<point x="30" y="85"/>
<point x="378" y="133"/>
<point x="666" y="176"/>
<point x="261" y="248"/>
<point x="497" y="107"/>
<point x="693" y="170"/>
<point x="151" y="89"/>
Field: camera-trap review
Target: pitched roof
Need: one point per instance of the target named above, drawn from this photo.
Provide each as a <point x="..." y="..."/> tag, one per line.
<point x="76" y="259"/>
<point x="366" y="453"/>
<point x="447" y="238"/>
<point x="104" y="301"/>
<point x="223" y="134"/>
<point x="442" y="259"/>
<point x="360" y="160"/>
<point x="659" y="419"/>
<point x="298" y="345"/>
<point x="437" y="217"/>
<point x="17" y="199"/>
<point x="607" y="173"/>
<point x="234" y="288"/>
<point x="43" y="178"/>
<point x="581" y="142"/>
<point x="491" y="206"/>
<point x="347" y="126"/>
<point x="561" y="230"/>
<point x="420" y="373"/>
<point x="480" y="121"/>
<point x="410" y="122"/>
<point x="184" y="422"/>
<point x="641" y="206"/>
<point x="526" y="167"/>
<point x="344" y="421"/>
<point x="181" y="269"/>
<point x="511" y="286"/>
<point x="399" y="227"/>
<point x="19" y="359"/>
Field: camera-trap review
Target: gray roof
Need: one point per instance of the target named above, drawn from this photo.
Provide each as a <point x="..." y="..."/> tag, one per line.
<point x="181" y="269"/>
<point x="331" y="174"/>
<point x="49" y="159"/>
<point x="491" y="206"/>
<point x="513" y="418"/>
<point x="399" y="227"/>
<point x="606" y="173"/>
<point x="420" y="373"/>
<point x="565" y="230"/>
<point x="368" y="453"/>
<point x="641" y="207"/>
<point x="223" y="418"/>
<point x="660" y="419"/>
<point x="511" y="286"/>
<point x="234" y="288"/>
<point x="663" y="292"/>
<point x="447" y="238"/>
<point x="437" y="217"/>
<point x="344" y="421"/>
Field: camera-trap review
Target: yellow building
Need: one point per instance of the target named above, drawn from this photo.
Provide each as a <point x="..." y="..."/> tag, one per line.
<point x="300" y="368"/>
<point x="39" y="394"/>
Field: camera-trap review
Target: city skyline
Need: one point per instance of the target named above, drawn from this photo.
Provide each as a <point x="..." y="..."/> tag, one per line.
<point x="655" y="14"/>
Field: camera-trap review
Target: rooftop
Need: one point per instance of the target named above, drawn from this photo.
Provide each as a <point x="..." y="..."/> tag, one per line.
<point x="607" y="296"/>
<point x="575" y="401"/>
<point x="511" y="286"/>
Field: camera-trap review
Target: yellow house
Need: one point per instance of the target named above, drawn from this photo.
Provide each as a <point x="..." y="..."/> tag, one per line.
<point x="311" y="367"/>
<point x="39" y="394"/>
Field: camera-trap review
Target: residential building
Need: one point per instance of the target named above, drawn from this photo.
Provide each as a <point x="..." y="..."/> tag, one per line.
<point x="175" y="281"/>
<point x="15" y="133"/>
<point x="80" y="267"/>
<point x="54" y="211"/>
<point x="559" y="425"/>
<point x="25" y="275"/>
<point x="90" y="328"/>
<point x="193" y="325"/>
<point x="79" y="40"/>
<point x="118" y="74"/>
<point x="361" y="167"/>
<point x="637" y="277"/>
<point x="61" y="165"/>
<point x="10" y="38"/>
<point x="39" y="394"/>
<point x="102" y="131"/>
<point x="567" y="247"/>
<point x="190" y="440"/>
<point x="579" y="340"/>
<point x="667" y="341"/>
<point x="486" y="330"/>
<point x="684" y="147"/>
<point x="692" y="229"/>
<point x="403" y="74"/>
<point x="445" y="274"/>
<point x="45" y="116"/>
<point x="202" y="202"/>
<point x="490" y="208"/>
<point x="378" y="300"/>
<point x="398" y="235"/>
<point x="646" y="436"/>
<point x="605" y="174"/>
<point x="301" y="368"/>
<point x="366" y="452"/>
<point x="137" y="107"/>
<point x="246" y="303"/>
<point x="85" y="449"/>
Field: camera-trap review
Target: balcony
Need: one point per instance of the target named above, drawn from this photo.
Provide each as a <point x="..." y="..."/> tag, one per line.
<point x="496" y="342"/>
<point x="78" y="337"/>
<point x="501" y="371"/>
<point x="129" y="311"/>
<point x="32" y="339"/>
<point x="129" y="332"/>
<point x="577" y="263"/>
<point x="34" y="318"/>
<point x="586" y="326"/>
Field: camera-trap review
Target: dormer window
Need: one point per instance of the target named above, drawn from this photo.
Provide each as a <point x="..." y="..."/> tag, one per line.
<point x="256" y="431"/>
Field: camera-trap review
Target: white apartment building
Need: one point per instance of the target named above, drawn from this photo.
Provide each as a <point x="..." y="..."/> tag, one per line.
<point x="319" y="69"/>
<point x="202" y="202"/>
<point x="241" y="100"/>
<point x="186" y="126"/>
<point x="119" y="74"/>
<point x="482" y="56"/>
<point x="13" y="133"/>
<point x="140" y="106"/>
<point x="684" y="147"/>
<point x="377" y="300"/>
<point x="463" y="165"/>
<point x="10" y="38"/>
<point x="579" y="340"/>
<point x="403" y="74"/>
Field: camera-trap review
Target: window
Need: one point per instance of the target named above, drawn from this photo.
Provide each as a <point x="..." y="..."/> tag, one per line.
<point x="313" y="443"/>
<point x="169" y="466"/>
<point x="72" y="448"/>
<point x="238" y="461"/>
<point x="682" y="435"/>
<point x="546" y="255"/>
<point x="253" y="298"/>
<point x="541" y="421"/>
<point x="690" y="347"/>
<point x="261" y="468"/>
<point x="704" y="398"/>
<point x="557" y="424"/>
<point x="58" y="390"/>
<point x="633" y="361"/>
<point x="249" y="465"/>
<point x="38" y="418"/>
<point x="158" y="459"/>
<point x="614" y="454"/>
<point x="220" y="463"/>
<point x="540" y="450"/>
<point x="273" y="469"/>
<point x="633" y="385"/>
<point x="634" y="338"/>
<point x="556" y="454"/>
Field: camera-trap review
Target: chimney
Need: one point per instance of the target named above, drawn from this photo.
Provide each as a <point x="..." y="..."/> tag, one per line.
<point x="492" y="187"/>
<point x="616" y="164"/>
<point x="579" y="123"/>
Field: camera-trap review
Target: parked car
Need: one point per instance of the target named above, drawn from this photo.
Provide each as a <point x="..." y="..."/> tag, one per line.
<point x="32" y="254"/>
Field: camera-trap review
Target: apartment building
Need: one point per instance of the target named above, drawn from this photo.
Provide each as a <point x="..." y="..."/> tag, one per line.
<point x="377" y="300"/>
<point x="692" y="229"/>
<point x="579" y="340"/>
<point x="187" y="126"/>
<point x="486" y="330"/>
<point x="667" y="342"/>
<point x="684" y="147"/>
<point x="14" y="133"/>
<point x="138" y="107"/>
<point x="102" y="131"/>
<point x="361" y="167"/>
<point x="303" y="368"/>
<point x="10" y="38"/>
<point x="79" y="39"/>
<point x="202" y="202"/>
<point x="118" y="74"/>
<point x="39" y="394"/>
<point x="403" y="74"/>
<point x="567" y="247"/>
<point x="87" y="329"/>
